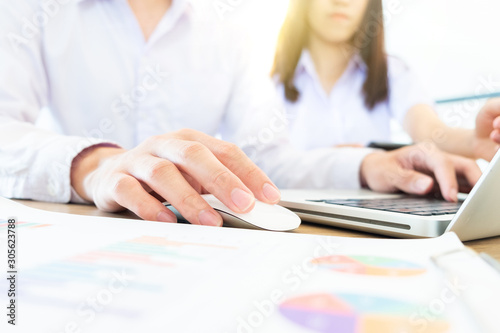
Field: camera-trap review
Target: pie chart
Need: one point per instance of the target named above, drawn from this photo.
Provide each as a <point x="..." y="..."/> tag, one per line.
<point x="349" y="313"/>
<point x="369" y="265"/>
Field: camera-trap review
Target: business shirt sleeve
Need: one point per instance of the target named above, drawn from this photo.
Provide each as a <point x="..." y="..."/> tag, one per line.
<point x="34" y="163"/>
<point x="405" y="89"/>
<point x="255" y="120"/>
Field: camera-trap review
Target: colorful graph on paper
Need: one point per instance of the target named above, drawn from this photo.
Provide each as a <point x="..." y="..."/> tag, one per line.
<point x="148" y="250"/>
<point x="348" y="313"/>
<point x="142" y="256"/>
<point x="143" y="251"/>
<point x="369" y="265"/>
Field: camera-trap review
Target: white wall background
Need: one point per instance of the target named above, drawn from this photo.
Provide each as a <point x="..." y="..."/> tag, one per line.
<point x="453" y="44"/>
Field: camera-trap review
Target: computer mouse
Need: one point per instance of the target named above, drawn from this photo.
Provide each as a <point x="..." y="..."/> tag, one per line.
<point x="263" y="216"/>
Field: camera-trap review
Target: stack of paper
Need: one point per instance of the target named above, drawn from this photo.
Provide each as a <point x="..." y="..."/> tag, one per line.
<point x="90" y="274"/>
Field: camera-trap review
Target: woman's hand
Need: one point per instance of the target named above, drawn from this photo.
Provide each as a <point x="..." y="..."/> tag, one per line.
<point x="487" y="134"/>
<point x="174" y="167"/>
<point x="417" y="170"/>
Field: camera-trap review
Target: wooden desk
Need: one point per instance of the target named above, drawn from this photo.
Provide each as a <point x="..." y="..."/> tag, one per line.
<point x="490" y="246"/>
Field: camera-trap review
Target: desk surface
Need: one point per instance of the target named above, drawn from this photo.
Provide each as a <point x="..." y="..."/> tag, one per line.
<point x="490" y="246"/>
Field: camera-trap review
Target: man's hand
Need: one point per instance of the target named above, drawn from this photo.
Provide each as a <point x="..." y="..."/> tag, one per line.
<point x="174" y="167"/>
<point x="487" y="134"/>
<point x="416" y="169"/>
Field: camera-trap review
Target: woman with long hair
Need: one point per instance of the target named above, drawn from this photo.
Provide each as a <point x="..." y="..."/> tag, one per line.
<point x="340" y="88"/>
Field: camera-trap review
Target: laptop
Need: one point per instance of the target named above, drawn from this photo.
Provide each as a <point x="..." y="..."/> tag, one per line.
<point x="476" y="216"/>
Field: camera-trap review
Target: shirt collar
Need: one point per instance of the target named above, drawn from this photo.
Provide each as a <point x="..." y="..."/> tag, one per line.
<point x="178" y="10"/>
<point x="358" y="62"/>
<point x="306" y="64"/>
<point x="174" y="2"/>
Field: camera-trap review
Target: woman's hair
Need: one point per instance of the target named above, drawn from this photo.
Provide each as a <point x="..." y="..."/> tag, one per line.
<point x="368" y="41"/>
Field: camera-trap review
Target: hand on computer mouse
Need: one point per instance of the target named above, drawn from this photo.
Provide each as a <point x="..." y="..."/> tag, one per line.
<point x="173" y="167"/>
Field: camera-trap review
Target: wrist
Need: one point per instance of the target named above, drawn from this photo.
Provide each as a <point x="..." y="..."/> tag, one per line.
<point x="367" y="166"/>
<point x="85" y="163"/>
<point x="363" y="171"/>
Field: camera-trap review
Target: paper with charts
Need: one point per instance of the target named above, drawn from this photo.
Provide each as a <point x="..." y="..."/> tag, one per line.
<point x="90" y="274"/>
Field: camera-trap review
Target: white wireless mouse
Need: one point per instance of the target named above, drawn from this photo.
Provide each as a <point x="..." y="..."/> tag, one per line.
<point x="263" y="216"/>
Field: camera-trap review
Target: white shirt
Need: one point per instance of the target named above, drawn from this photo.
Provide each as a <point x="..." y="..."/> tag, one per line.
<point x="319" y="119"/>
<point x="86" y="62"/>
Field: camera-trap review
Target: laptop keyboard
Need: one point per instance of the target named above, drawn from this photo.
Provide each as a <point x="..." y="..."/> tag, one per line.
<point x="409" y="205"/>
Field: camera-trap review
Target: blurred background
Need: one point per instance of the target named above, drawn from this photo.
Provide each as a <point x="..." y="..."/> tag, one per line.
<point x="453" y="45"/>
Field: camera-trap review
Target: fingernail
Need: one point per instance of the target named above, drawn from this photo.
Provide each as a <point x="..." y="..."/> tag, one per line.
<point x="242" y="199"/>
<point x="271" y="193"/>
<point x="165" y="217"/>
<point x="210" y="218"/>
<point x="423" y="184"/>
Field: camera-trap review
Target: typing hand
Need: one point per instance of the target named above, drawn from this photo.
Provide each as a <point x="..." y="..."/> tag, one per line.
<point x="487" y="135"/>
<point x="416" y="169"/>
<point x="174" y="167"/>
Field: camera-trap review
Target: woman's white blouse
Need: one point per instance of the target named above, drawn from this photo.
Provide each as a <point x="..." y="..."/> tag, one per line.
<point x="319" y="119"/>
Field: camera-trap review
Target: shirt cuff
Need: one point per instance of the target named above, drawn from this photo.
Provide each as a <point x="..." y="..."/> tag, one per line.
<point x="347" y="173"/>
<point x="52" y="182"/>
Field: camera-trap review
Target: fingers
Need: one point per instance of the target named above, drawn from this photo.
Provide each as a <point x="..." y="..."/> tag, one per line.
<point x="468" y="170"/>
<point x="488" y="127"/>
<point x="447" y="169"/>
<point x="495" y="136"/>
<point x="240" y="165"/>
<point x="405" y="169"/>
<point x="427" y="158"/>
<point x="445" y="174"/>
<point x="165" y="179"/>
<point x="251" y="175"/>
<point x="411" y="181"/>
<point x="128" y="192"/>
<point x="194" y="184"/>
<point x="196" y="160"/>
<point x="390" y="172"/>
